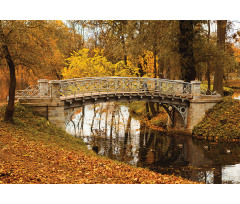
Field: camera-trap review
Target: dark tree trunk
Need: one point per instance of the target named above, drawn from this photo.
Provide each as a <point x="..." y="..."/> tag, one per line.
<point x="123" y="43"/>
<point x="124" y="50"/>
<point x="188" y="70"/>
<point x="147" y="110"/>
<point x="155" y="63"/>
<point x="161" y="67"/>
<point x="208" y="62"/>
<point x="140" y="66"/>
<point x="218" y="76"/>
<point x="10" y="106"/>
<point x="140" y="69"/>
<point x="152" y="108"/>
<point x="217" y="179"/>
<point x="208" y="75"/>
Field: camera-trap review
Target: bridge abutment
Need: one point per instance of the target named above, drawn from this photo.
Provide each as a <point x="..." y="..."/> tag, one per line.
<point x="52" y="108"/>
<point x="56" y="113"/>
<point x="56" y="106"/>
<point x="198" y="107"/>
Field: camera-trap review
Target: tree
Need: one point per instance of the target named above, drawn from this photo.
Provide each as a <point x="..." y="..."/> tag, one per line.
<point x="188" y="67"/>
<point x="4" y="48"/>
<point x="37" y="47"/>
<point x="208" y="62"/>
<point x="81" y="64"/>
<point x="221" y="37"/>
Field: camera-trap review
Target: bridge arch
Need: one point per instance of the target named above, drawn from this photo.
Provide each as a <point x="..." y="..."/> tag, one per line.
<point x="171" y="105"/>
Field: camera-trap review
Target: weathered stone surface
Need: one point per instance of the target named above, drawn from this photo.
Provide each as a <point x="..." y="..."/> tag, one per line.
<point x="52" y="109"/>
<point x="55" y="89"/>
<point x="43" y="87"/>
<point x="196" y="112"/>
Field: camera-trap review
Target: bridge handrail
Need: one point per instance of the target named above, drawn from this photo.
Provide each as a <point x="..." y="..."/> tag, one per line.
<point x="94" y="78"/>
<point x="124" y="84"/>
<point x="31" y="91"/>
<point x="81" y="86"/>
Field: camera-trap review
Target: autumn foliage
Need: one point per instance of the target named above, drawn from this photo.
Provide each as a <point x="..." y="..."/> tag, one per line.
<point x="82" y="64"/>
<point x="221" y="122"/>
<point x="34" y="151"/>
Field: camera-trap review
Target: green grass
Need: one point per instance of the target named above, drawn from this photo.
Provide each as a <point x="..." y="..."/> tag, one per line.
<point x="39" y="129"/>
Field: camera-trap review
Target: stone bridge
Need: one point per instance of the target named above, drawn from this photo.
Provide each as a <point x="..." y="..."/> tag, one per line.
<point x="185" y="103"/>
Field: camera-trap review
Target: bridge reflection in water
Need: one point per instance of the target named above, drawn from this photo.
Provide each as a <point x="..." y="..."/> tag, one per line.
<point x="111" y="131"/>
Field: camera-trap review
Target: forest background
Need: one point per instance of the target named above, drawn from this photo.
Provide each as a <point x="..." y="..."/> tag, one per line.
<point x="143" y="48"/>
<point x="171" y="49"/>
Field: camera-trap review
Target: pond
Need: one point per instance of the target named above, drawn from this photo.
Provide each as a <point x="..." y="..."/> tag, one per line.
<point x="236" y="94"/>
<point x="111" y="130"/>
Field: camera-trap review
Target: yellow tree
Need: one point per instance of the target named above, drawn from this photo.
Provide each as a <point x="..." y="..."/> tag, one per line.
<point x="37" y="47"/>
<point x="81" y="64"/>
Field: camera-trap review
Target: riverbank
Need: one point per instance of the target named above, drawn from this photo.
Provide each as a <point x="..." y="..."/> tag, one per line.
<point x="34" y="151"/>
<point x="221" y="122"/>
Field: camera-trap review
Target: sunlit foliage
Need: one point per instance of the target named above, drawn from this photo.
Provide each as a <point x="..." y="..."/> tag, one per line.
<point x="82" y="64"/>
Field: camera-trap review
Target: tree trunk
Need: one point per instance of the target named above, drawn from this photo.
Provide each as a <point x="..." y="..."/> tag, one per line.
<point x="161" y="67"/>
<point x="140" y="69"/>
<point x="123" y="44"/>
<point x="124" y="50"/>
<point x="221" y="36"/>
<point x="10" y="106"/>
<point x="152" y="108"/>
<point x="147" y="110"/>
<point x="208" y="62"/>
<point x="188" y="70"/>
<point x="155" y="62"/>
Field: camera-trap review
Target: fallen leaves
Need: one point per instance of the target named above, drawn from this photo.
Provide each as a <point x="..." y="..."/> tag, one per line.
<point x="27" y="157"/>
<point x="221" y="122"/>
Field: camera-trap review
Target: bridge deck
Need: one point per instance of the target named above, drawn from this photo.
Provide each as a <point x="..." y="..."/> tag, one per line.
<point x="120" y="94"/>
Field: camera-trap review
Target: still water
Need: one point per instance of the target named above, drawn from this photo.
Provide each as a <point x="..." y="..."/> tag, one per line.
<point x="236" y="94"/>
<point x="111" y="131"/>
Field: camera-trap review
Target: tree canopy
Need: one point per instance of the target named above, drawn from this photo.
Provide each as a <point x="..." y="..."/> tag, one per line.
<point x="186" y="50"/>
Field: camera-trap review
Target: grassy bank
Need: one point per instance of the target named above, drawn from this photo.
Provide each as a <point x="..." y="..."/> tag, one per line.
<point x="221" y="122"/>
<point x="34" y="151"/>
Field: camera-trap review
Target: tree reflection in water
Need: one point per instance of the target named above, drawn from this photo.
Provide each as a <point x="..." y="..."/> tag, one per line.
<point x="111" y="131"/>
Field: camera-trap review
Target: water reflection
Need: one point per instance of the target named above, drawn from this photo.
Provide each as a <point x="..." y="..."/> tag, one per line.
<point x="111" y="131"/>
<point x="236" y="94"/>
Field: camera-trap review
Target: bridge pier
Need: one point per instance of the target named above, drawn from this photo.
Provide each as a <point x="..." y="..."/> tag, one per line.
<point x="56" y="107"/>
<point x="56" y="114"/>
<point x="198" y="107"/>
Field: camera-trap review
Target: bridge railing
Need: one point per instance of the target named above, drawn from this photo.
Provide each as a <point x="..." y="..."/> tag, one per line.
<point x="95" y="85"/>
<point x="125" y="85"/>
<point x="42" y="90"/>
